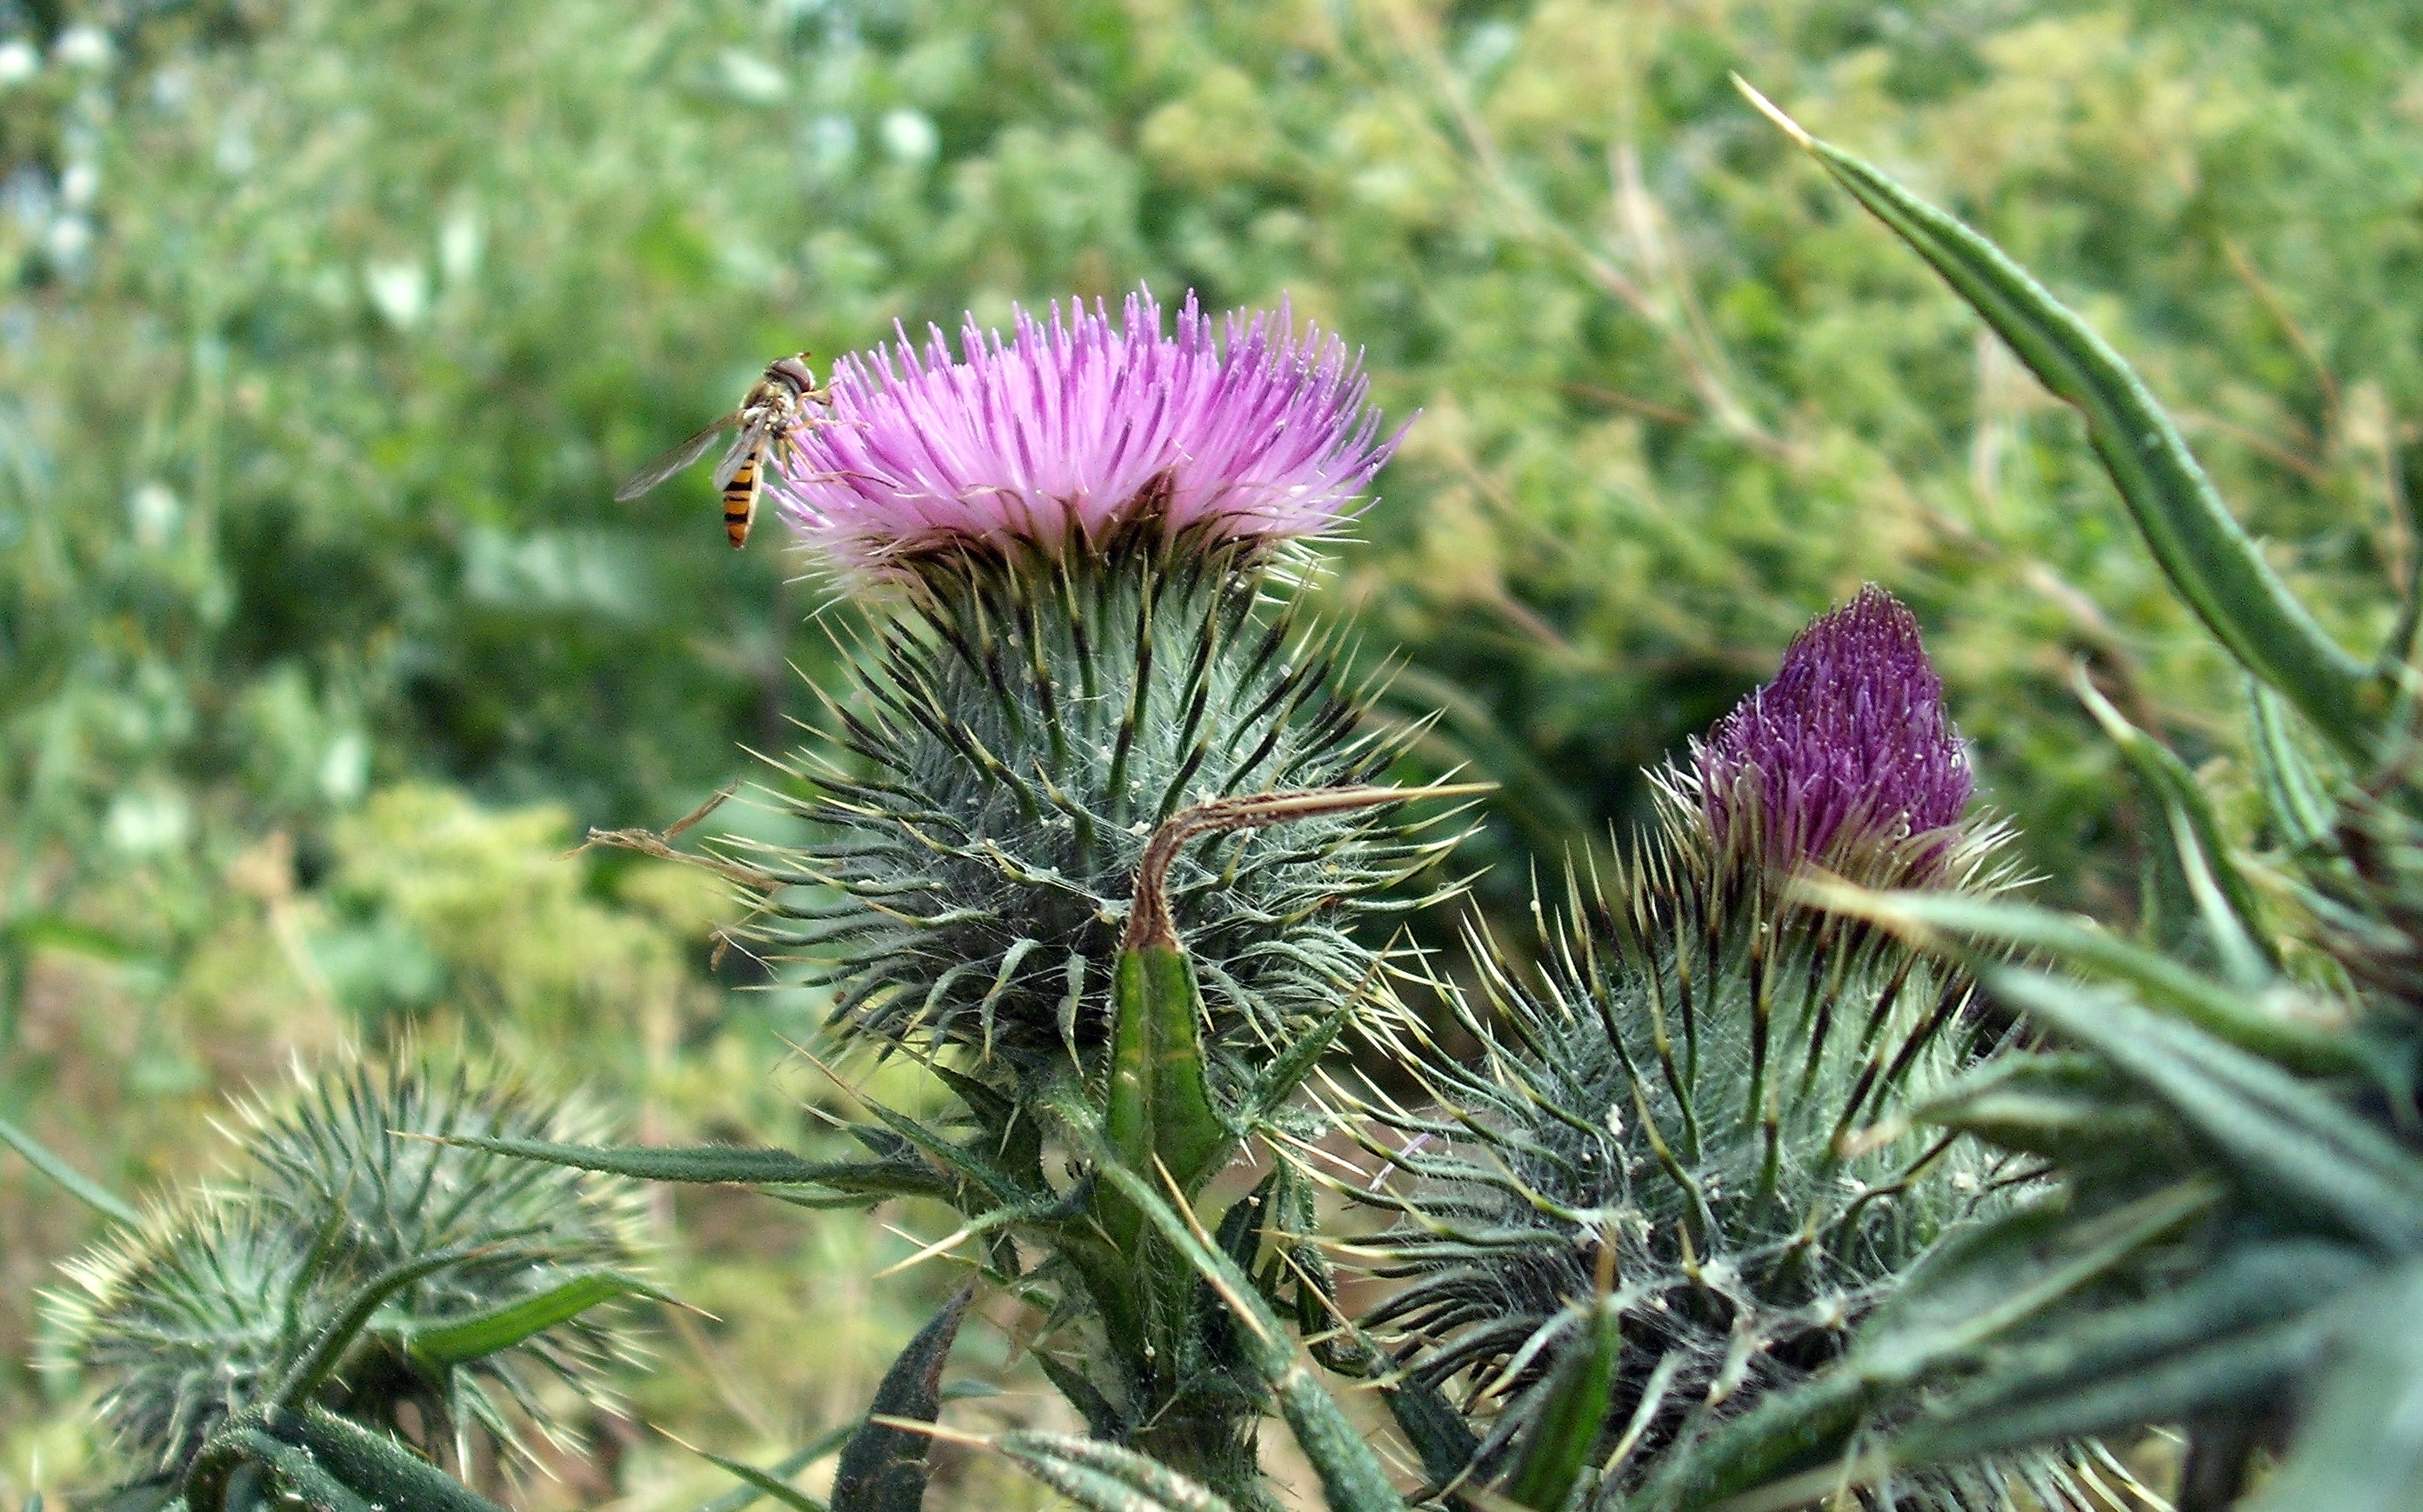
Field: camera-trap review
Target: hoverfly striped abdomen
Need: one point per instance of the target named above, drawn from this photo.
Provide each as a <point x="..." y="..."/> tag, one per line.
<point x="774" y="407"/>
<point x="740" y="500"/>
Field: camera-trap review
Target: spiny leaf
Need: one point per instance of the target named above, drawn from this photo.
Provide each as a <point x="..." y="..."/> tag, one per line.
<point x="2071" y="1108"/>
<point x="2213" y="1006"/>
<point x="1973" y="1290"/>
<point x="1105" y="1477"/>
<point x="503" y="1327"/>
<point x="2231" y="1334"/>
<point x="2209" y="559"/>
<point x="2275" y="1132"/>
<point x="1982" y="1285"/>
<point x="882" y="1468"/>
<point x="1350" y="1473"/>
<point x="1279" y="1079"/>
<point x="2360" y="1447"/>
<point x="1565" y="1432"/>
<point x="717" y="1164"/>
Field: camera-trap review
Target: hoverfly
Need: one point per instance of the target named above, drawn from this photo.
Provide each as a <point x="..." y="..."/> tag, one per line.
<point x="775" y="406"/>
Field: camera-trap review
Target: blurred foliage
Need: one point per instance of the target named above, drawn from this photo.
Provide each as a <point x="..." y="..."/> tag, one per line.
<point x="326" y="331"/>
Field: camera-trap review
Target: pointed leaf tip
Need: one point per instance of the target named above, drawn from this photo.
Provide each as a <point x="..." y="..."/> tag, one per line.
<point x="1774" y="112"/>
<point x="883" y="1468"/>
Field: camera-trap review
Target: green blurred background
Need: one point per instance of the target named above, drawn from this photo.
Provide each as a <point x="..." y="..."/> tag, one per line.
<point x="327" y="328"/>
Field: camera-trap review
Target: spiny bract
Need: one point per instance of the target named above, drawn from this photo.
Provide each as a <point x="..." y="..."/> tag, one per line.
<point x="191" y="1315"/>
<point x="1032" y="719"/>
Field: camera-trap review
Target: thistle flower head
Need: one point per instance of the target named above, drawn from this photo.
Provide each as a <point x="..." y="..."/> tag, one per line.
<point x="1078" y="427"/>
<point x="190" y="1316"/>
<point x="1701" y="1088"/>
<point x="1847" y="750"/>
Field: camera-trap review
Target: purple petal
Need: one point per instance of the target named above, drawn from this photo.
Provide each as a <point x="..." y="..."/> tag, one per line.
<point x="1848" y="743"/>
<point x="1072" y="418"/>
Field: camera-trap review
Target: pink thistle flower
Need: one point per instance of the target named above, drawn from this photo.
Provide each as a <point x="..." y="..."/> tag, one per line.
<point x="1077" y="430"/>
<point x="1848" y="748"/>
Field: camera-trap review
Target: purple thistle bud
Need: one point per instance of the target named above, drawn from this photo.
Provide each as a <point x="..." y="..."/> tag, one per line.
<point x="1076" y="429"/>
<point x="1848" y="745"/>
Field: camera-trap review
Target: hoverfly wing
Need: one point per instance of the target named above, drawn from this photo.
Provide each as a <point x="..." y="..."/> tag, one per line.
<point x="751" y="440"/>
<point x="672" y="463"/>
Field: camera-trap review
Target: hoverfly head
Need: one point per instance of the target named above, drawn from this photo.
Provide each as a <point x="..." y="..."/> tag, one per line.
<point x="794" y="373"/>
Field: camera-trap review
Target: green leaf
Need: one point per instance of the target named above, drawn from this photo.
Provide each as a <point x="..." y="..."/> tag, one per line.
<point x="2212" y="564"/>
<point x="1573" y="1407"/>
<point x="326" y="1459"/>
<point x="2360" y="1446"/>
<point x="2233" y="1334"/>
<point x="2072" y="1107"/>
<point x="385" y="1471"/>
<point x="508" y="1324"/>
<point x="1351" y="1474"/>
<point x="1105" y="1477"/>
<point x="882" y="1468"/>
<point x="2220" y="892"/>
<point x="319" y="1360"/>
<point x="1103" y="1419"/>
<point x="714" y="1164"/>
<point x="1280" y="1079"/>
<point x="1963" y="1297"/>
<point x="2274" y="1132"/>
<point x="2293" y="791"/>
<point x="68" y="1179"/>
<point x="1160" y="1104"/>
<point x="769" y="1484"/>
<point x="2213" y="1006"/>
<point x="740" y="1498"/>
<point x="300" y="1479"/>
<point x="1988" y="1281"/>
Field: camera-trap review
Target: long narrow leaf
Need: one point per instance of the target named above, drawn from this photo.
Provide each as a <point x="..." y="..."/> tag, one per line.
<point x="1160" y="1104"/>
<point x="320" y="1359"/>
<point x="2234" y="1333"/>
<point x="382" y="1470"/>
<point x="743" y="1497"/>
<point x="2195" y="833"/>
<point x="70" y="1180"/>
<point x="1105" y="1477"/>
<point x="1574" y="1408"/>
<point x="2275" y="1132"/>
<point x="764" y="1483"/>
<point x="712" y="1164"/>
<point x="2213" y="1006"/>
<point x="1350" y="1473"/>
<point x="2360" y="1448"/>
<point x="2212" y="562"/>
<point x="506" y="1325"/>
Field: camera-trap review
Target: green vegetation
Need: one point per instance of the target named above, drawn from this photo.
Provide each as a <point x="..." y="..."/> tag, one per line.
<point x="327" y="331"/>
